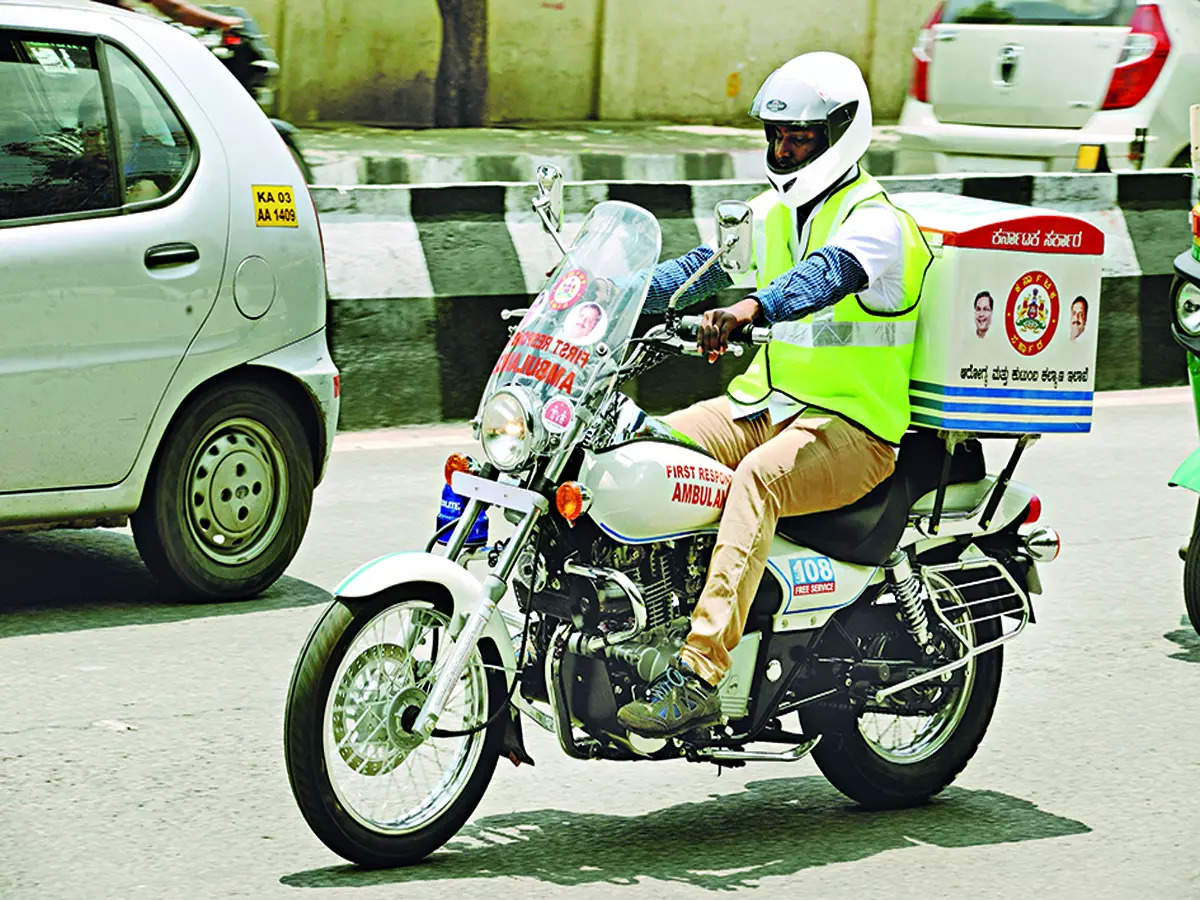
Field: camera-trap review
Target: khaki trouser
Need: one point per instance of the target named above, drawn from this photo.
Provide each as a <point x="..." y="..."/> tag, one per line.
<point x="812" y="462"/>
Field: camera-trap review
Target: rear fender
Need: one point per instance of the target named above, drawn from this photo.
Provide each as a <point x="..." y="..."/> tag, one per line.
<point x="446" y="584"/>
<point x="1188" y="473"/>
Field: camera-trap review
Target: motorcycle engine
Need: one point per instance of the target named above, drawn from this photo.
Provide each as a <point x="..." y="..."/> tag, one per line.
<point x="669" y="574"/>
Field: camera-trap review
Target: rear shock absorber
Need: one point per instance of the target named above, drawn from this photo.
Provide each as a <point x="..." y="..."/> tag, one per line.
<point x="907" y="588"/>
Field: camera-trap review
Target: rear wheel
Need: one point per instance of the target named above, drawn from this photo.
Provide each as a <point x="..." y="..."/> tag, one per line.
<point x="369" y="789"/>
<point x="1191" y="574"/>
<point x="227" y="500"/>
<point x="889" y="760"/>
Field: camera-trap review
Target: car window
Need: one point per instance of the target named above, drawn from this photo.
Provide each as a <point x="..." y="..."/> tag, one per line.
<point x="154" y="149"/>
<point x="1039" y="12"/>
<point x="63" y="148"/>
<point x="48" y="164"/>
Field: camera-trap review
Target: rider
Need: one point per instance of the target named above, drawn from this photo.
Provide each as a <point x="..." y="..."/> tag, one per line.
<point x="185" y="13"/>
<point x="812" y="423"/>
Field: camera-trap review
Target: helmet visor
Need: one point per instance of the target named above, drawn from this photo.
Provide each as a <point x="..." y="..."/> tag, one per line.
<point x="793" y="145"/>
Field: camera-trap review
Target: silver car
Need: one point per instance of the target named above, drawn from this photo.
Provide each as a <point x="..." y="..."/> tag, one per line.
<point x="162" y="306"/>
<point x="1030" y="85"/>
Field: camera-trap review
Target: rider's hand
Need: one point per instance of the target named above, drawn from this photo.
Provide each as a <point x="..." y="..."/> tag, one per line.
<point x="228" y="23"/>
<point x="716" y="325"/>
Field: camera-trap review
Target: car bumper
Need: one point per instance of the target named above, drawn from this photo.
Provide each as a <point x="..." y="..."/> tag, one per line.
<point x="309" y="362"/>
<point x="927" y="145"/>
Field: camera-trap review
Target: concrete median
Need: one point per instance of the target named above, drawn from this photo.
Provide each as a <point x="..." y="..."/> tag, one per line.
<point x="419" y="273"/>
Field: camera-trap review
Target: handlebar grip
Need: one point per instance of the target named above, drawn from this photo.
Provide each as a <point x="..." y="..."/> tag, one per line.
<point x="689" y="326"/>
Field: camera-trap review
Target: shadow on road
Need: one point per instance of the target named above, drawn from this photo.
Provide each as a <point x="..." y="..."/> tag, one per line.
<point x="74" y="580"/>
<point x="1188" y="641"/>
<point x="773" y="828"/>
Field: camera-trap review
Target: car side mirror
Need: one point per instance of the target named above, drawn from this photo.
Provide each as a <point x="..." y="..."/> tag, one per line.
<point x="549" y="202"/>
<point x="735" y="235"/>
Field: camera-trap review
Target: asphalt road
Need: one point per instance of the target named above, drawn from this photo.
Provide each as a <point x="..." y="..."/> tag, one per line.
<point x="140" y="740"/>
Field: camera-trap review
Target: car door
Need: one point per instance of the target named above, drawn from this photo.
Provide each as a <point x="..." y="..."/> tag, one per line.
<point x="1045" y="64"/>
<point x="113" y="225"/>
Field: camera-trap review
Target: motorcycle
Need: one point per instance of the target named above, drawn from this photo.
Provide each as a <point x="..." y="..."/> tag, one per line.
<point x="1185" y="328"/>
<point x="249" y="57"/>
<point x="880" y="625"/>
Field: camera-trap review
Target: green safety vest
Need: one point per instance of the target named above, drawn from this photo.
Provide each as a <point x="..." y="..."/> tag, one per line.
<point x="844" y="358"/>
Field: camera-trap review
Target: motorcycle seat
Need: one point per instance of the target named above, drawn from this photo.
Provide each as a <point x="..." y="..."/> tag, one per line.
<point x="868" y="530"/>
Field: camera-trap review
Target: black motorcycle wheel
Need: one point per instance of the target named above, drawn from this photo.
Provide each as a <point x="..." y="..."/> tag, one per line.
<point x="368" y="789"/>
<point x="857" y="763"/>
<point x="1191" y="574"/>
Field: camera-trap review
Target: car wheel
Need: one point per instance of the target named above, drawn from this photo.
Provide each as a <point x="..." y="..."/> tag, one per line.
<point x="228" y="496"/>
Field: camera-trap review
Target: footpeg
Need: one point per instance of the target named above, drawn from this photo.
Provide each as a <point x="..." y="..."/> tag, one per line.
<point x="796" y="753"/>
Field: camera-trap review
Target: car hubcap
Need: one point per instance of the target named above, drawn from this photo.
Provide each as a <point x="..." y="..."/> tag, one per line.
<point x="237" y="491"/>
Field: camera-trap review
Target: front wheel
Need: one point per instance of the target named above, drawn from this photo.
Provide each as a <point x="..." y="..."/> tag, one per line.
<point x="888" y="761"/>
<point x="368" y="788"/>
<point x="1191" y="574"/>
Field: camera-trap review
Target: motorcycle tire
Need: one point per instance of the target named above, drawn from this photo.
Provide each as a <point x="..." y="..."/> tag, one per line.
<point x="227" y="500"/>
<point x="1191" y="575"/>
<point x="865" y="774"/>
<point x="324" y="765"/>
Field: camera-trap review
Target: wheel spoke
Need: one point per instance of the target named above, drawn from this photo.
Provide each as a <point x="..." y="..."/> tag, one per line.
<point x="393" y="783"/>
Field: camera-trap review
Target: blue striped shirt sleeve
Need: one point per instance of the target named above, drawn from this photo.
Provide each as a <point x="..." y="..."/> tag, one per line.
<point x="671" y="273"/>
<point x="825" y="277"/>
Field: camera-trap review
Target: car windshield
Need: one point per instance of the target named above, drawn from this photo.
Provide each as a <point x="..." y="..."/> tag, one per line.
<point x="575" y="332"/>
<point x="1035" y="12"/>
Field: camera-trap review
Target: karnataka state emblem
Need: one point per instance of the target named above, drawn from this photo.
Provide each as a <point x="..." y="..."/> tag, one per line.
<point x="1031" y="315"/>
<point x="568" y="289"/>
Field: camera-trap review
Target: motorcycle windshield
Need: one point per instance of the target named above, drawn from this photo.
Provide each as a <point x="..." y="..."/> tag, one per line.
<point x="575" y="332"/>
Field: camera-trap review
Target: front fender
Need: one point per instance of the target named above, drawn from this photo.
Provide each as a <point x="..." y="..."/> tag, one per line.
<point x="1188" y="473"/>
<point x="453" y="586"/>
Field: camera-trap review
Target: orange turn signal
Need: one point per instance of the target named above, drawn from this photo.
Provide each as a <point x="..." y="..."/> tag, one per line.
<point x="456" y="462"/>
<point x="572" y="500"/>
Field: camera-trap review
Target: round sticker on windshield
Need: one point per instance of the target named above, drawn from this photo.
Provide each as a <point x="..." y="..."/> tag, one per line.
<point x="568" y="289"/>
<point x="585" y="324"/>
<point x="557" y="415"/>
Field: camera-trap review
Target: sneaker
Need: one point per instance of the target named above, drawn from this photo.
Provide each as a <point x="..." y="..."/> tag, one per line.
<point x="678" y="700"/>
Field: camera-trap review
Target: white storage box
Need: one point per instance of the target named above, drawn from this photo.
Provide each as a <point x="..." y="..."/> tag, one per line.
<point x="1006" y="334"/>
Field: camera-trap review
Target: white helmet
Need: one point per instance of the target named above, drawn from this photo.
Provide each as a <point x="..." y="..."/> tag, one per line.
<point x="824" y="92"/>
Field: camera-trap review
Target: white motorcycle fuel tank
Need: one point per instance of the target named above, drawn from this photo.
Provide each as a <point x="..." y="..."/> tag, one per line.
<point x="649" y="490"/>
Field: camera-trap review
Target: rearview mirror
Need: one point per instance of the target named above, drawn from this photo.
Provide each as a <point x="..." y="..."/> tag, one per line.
<point x="549" y="202"/>
<point x="735" y="235"/>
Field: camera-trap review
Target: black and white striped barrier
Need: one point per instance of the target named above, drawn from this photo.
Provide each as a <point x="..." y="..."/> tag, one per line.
<point x="419" y="273"/>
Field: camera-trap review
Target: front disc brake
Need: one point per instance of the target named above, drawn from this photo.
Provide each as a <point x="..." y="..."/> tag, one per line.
<point x="370" y="710"/>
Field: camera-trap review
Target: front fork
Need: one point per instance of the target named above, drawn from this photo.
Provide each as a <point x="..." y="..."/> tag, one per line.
<point x="494" y="587"/>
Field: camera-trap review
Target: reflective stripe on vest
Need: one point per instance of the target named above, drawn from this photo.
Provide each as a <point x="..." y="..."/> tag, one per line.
<point x="845" y="357"/>
<point x="806" y="333"/>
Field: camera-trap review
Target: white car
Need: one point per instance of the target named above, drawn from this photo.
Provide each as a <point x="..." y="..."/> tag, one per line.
<point x="1051" y="85"/>
<point x="163" y="302"/>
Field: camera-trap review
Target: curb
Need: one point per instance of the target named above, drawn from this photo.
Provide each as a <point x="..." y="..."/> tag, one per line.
<point x="418" y="274"/>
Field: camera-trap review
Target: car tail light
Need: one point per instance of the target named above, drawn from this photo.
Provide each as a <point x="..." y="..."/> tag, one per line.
<point x="922" y="52"/>
<point x="1142" y="58"/>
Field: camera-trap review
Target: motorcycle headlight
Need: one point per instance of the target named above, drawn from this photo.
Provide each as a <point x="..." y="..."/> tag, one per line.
<point x="506" y="431"/>
<point x="1187" y="309"/>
